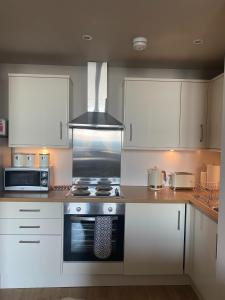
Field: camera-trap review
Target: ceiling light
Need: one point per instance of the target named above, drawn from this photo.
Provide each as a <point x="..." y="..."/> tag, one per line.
<point x="140" y="43"/>
<point x="87" y="37"/>
<point x="198" y="41"/>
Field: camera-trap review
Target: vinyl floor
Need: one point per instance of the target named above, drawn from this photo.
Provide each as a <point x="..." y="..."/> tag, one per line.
<point x="102" y="293"/>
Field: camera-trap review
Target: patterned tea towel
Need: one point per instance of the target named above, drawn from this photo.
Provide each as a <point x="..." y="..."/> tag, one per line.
<point x="103" y="237"/>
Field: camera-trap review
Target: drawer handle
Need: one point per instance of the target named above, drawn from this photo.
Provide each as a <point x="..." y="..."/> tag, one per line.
<point x="60" y="130"/>
<point x="29" y="210"/>
<point x="202" y="133"/>
<point x="131" y="133"/>
<point x="29" y="242"/>
<point x="24" y="227"/>
<point x="216" y="245"/>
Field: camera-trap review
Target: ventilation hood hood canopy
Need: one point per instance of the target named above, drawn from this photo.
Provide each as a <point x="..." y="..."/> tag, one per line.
<point x="96" y="116"/>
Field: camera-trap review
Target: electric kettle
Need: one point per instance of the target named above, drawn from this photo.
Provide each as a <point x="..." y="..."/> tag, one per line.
<point x="156" y="177"/>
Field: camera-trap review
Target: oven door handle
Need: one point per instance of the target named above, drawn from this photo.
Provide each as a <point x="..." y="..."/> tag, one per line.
<point x="91" y="219"/>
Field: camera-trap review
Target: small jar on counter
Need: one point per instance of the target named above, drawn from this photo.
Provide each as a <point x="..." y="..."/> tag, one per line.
<point x="44" y="160"/>
<point x="29" y="160"/>
<point x="18" y="160"/>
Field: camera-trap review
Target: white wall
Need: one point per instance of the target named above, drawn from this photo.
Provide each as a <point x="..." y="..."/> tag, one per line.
<point x="60" y="161"/>
<point x="134" y="163"/>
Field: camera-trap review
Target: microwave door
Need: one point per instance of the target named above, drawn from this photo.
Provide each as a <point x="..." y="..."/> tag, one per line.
<point x="19" y="180"/>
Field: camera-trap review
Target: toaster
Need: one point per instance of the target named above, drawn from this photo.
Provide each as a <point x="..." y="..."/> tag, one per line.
<point x="182" y="180"/>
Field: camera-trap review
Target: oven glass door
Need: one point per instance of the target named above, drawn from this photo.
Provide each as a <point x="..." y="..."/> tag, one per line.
<point x="79" y="238"/>
<point x="22" y="178"/>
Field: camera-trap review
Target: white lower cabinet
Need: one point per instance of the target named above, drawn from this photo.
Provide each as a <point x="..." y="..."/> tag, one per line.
<point x="154" y="239"/>
<point x="202" y="253"/>
<point x="29" y="260"/>
<point x="30" y="244"/>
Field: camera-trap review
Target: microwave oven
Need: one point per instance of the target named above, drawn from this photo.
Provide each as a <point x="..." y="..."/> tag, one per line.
<point x="26" y="179"/>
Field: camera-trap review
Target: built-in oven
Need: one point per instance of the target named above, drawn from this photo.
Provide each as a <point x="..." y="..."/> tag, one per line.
<point x="94" y="231"/>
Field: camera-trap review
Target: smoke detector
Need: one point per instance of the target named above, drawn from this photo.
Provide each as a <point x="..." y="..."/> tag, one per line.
<point x="87" y="37"/>
<point x="140" y="43"/>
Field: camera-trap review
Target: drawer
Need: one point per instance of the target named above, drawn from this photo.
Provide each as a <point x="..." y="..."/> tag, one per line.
<point x="29" y="260"/>
<point x="31" y="226"/>
<point x="27" y="210"/>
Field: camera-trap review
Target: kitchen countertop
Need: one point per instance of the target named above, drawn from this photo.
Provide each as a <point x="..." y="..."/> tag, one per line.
<point x="130" y="194"/>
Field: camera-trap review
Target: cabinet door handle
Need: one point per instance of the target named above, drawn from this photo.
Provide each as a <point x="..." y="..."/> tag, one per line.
<point x="216" y="244"/>
<point x="60" y="130"/>
<point x="178" y="220"/>
<point x="25" y="227"/>
<point x="202" y="133"/>
<point x="29" y="242"/>
<point x="29" y="210"/>
<point x="131" y="132"/>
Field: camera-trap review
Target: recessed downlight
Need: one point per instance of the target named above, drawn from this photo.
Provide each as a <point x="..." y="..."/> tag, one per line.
<point x="198" y="41"/>
<point x="140" y="43"/>
<point x="87" y="37"/>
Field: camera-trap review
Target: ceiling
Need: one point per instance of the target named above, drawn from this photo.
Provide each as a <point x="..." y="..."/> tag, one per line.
<point x="49" y="32"/>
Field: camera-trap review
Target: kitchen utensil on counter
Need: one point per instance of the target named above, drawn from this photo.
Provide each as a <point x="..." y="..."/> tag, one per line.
<point x="44" y="160"/>
<point x="18" y="160"/>
<point x="29" y="160"/>
<point x="213" y="177"/>
<point x="203" y="179"/>
<point x="182" y="180"/>
<point x="156" y="178"/>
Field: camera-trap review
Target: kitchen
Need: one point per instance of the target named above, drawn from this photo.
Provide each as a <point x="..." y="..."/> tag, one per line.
<point x="171" y="238"/>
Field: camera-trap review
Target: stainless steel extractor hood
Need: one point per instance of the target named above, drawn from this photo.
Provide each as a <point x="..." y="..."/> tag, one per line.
<point x="96" y="115"/>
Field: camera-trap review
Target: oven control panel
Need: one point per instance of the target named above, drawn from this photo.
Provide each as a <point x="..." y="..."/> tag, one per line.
<point x="94" y="208"/>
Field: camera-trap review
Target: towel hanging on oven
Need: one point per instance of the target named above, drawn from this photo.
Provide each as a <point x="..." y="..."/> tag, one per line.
<point x="103" y="237"/>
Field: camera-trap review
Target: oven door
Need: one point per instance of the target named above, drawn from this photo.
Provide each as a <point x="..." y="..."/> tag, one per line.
<point x="19" y="180"/>
<point x="79" y="238"/>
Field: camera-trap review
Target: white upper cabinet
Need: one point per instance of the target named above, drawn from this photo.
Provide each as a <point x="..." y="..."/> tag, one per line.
<point x="193" y="119"/>
<point x="151" y="113"/>
<point x="165" y="114"/>
<point x="154" y="239"/>
<point x="38" y="110"/>
<point x="215" y="105"/>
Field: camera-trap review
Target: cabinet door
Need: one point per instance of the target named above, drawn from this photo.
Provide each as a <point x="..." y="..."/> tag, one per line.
<point x="38" y="111"/>
<point x="154" y="239"/>
<point x="215" y="105"/>
<point x="193" y="114"/>
<point x="55" y="111"/>
<point x="26" y="125"/>
<point x="203" y="254"/>
<point x="151" y="114"/>
<point x="29" y="260"/>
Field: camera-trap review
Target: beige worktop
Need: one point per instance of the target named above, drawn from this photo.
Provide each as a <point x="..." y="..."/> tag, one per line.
<point x="129" y="194"/>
